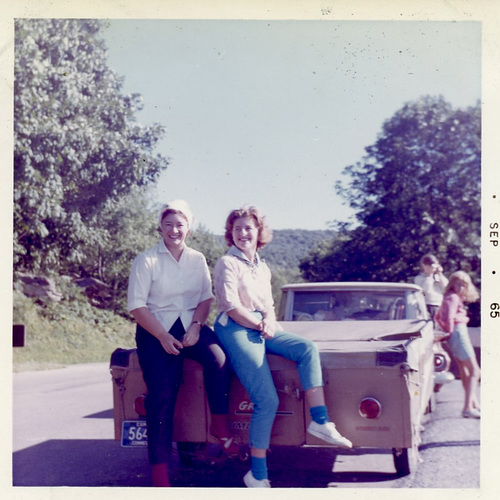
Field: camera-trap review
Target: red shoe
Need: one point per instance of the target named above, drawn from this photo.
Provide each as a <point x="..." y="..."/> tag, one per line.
<point x="160" y="476"/>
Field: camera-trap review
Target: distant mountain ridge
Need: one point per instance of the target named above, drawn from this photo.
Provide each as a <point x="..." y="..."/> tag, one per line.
<point x="289" y="246"/>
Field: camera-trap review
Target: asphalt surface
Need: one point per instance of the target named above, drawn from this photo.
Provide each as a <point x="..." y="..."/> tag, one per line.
<point x="63" y="436"/>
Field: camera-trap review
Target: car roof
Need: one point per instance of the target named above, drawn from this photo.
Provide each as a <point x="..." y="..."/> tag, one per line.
<point x="349" y="285"/>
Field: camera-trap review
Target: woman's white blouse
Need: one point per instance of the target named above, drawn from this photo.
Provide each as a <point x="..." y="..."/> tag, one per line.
<point x="433" y="290"/>
<point x="169" y="289"/>
<point x="238" y="282"/>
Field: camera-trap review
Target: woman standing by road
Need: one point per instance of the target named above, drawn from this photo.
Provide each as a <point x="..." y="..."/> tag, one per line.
<point x="247" y="328"/>
<point x="169" y="295"/>
<point x="452" y="318"/>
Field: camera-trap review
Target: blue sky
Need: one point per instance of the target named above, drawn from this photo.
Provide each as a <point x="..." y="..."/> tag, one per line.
<point x="270" y="112"/>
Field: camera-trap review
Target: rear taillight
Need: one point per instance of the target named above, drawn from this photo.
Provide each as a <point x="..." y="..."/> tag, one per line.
<point x="370" y="408"/>
<point x="439" y="362"/>
<point x="140" y="406"/>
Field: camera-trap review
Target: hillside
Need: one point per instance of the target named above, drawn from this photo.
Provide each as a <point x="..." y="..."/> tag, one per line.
<point x="289" y="246"/>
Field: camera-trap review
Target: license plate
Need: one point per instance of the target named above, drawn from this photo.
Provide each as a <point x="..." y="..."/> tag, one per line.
<point x="134" y="433"/>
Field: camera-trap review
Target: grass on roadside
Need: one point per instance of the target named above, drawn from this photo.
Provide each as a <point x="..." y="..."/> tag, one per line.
<point x="67" y="332"/>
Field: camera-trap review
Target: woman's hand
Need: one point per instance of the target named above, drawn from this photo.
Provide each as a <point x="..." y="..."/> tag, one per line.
<point x="268" y="327"/>
<point x="192" y="335"/>
<point x="437" y="269"/>
<point x="170" y="344"/>
<point x="150" y="323"/>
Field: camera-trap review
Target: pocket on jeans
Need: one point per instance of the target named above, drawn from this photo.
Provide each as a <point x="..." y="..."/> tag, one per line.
<point x="223" y="319"/>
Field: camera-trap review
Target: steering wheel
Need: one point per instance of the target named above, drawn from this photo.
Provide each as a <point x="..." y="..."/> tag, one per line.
<point x="304" y="317"/>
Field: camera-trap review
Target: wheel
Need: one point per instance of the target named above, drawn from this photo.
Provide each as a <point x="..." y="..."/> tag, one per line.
<point x="401" y="461"/>
<point x="405" y="460"/>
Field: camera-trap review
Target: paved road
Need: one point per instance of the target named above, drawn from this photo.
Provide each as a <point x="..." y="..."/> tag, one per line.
<point x="63" y="436"/>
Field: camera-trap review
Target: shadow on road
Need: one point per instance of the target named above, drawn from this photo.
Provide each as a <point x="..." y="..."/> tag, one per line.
<point x="313" y="467"/>
<point x="105" y="463"/>
<point x="445" y="444"/>
<point x="102" y="414"/>
<point x="80" y="463"/>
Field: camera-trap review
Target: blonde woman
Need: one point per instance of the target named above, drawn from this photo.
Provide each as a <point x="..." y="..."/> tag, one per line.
<point x="452" y="318"/>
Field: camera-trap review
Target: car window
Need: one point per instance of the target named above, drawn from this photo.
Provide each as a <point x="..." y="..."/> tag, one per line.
<point x="359" y="305"/>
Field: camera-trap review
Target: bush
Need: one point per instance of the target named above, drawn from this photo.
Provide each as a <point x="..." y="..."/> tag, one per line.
<point x="67" y="332"/>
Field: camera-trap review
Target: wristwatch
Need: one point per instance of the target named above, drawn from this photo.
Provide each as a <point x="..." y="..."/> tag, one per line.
<point x="196" y="322"/>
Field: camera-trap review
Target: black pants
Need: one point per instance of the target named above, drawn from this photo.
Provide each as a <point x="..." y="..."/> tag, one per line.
<point x="162" y="374"/>
<point x="432" y="312"/>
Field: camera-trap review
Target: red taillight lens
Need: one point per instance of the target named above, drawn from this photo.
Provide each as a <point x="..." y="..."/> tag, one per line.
<point x="439" y="362"/>
<point x="370" y="408"/>
<point x="139" y="405"/>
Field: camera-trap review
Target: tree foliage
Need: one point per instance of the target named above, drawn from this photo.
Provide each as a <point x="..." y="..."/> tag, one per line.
<point x="78" y="150"/>
<point x="128" y="227"/>
<point x="289" y="246"/>
<point x="210" y="245"/>
<point x="82" y="167"/>
<point x="417" y="190"/>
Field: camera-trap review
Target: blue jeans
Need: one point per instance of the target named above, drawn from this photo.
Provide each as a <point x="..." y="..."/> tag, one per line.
<point x="247" y="351"/>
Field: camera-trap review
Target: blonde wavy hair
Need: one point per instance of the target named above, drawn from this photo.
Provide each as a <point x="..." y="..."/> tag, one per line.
<point x="470" y="293"/>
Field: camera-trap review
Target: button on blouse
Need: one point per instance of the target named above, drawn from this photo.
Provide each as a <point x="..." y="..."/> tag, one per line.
<point x="170" y="289"/>
<point x="239" y="282"/>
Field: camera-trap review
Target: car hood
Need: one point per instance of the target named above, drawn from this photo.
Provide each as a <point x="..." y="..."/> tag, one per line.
<point x="348" y="331"/>
<point x="362" y="344"/>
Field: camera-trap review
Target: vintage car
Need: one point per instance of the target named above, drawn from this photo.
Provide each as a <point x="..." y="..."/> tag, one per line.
<point x="376" y="346"/>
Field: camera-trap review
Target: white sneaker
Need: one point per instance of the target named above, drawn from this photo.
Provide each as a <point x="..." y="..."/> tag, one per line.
<point x="251" y="482"/>
<point x="473" y="413"/>
<point x="329" y="433"/>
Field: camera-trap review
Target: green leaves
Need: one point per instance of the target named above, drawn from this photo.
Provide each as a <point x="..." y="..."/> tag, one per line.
<point x="417" y="190"/>
<point x="77" y="145"/>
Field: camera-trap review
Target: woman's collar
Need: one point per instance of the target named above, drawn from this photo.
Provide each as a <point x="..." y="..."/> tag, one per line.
<point x="165" y="249"/>
<point x="236" y="252"/>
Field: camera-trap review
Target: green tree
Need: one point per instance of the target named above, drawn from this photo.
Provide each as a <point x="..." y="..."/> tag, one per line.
<point x="282" y="276"/>
<point x="417" y="190"/>
<point x="77" y="146"/>
<point x="211" y="246"/>
<point x="128" y="227"/>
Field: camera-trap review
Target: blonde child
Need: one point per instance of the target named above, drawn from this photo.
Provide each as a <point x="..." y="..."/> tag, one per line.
<point x="452" y="318"/>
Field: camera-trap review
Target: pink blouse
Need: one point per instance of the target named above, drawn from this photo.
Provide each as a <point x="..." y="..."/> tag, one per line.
<point x="451" y="312"/>
<point x="238" y="282"/>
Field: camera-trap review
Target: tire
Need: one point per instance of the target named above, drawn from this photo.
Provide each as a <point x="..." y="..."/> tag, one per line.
<point x="405" y="460"/>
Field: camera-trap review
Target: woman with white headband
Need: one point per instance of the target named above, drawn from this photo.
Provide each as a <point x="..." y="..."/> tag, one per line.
<point x="169" y="295"/>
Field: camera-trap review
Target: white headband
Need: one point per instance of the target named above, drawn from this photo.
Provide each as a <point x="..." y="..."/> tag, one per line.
<point x="180" y="206"/>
